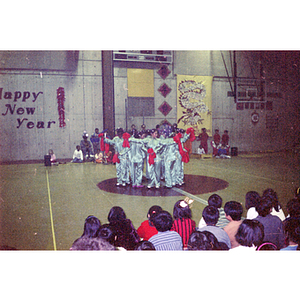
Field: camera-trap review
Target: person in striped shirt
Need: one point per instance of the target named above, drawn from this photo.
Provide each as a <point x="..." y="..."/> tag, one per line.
<point x="165" y="239"/>
<point x="183" y="223"/>
<point x="216" y="201"/>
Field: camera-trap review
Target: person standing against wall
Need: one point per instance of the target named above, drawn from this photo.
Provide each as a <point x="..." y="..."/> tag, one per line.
<point x="95" y="140"/>
<point x="203" y="137"/>
<point x="215" y="143"/>
<point x="225" y="140"/>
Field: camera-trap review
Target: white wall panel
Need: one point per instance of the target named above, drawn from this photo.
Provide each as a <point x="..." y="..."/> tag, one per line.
<point x="83" y="110"/>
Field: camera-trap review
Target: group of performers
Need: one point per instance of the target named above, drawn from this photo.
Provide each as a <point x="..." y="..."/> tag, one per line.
<point x="161" y="149"/>
<point x="219" y="144"/>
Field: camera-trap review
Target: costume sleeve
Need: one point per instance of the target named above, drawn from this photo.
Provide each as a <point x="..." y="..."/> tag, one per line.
<point x="124" y="151"/>
<point x="168" y="141"/>
<point x="110" y="142"/>
<point x="185" y="137"/>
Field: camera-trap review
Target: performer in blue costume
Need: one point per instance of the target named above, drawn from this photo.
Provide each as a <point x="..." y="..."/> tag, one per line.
<point x="180" y="138"/>
<point x="170" y="148"/>
<point x="122" y="167"/>
<point x="136" y="154"/>
<point x="154" y="147"/>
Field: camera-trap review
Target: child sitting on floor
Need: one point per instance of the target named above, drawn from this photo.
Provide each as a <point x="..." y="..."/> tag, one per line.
<point x="98" y="157"/>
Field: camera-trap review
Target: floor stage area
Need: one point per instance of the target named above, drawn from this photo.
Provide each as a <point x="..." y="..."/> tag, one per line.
<point x="44" y="208"/>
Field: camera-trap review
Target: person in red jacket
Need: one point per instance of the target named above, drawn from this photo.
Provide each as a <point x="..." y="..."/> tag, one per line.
<point x="203" y="137"/>
<point x="225" y="140"/>
<point x="215" y="143"/>
<point x="147" y="229"/>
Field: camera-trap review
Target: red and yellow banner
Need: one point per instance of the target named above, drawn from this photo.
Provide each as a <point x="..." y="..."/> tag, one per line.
<point x="194" y="102"/>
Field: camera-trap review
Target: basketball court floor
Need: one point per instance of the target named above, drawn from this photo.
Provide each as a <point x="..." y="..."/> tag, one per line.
<point x="44" y="208"/>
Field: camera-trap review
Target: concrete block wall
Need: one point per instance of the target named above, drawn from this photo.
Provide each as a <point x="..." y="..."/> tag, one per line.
<point x="28" y="129"/>
<point x="23" y="136"/>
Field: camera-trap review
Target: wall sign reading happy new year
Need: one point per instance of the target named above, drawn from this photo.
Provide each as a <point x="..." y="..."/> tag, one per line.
<point x="15" y="109"/>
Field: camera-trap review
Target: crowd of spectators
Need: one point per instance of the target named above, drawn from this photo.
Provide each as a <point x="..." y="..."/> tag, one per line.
<point x="265" y="227"/>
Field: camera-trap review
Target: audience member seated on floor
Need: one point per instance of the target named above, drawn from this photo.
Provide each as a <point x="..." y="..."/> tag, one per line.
<point x="90" y="230"/>
<point x="183" y="223"/>
<point x="53" y="160"/>
<point x="125" y="234"/>
<point x="293" y="209"/>
<point x="273" y="226"/>
<point x="144" y="245"/>
<point x="86" y="147"/>
<point x="292" y="232"/>
<point x="91" y="227"/>
<point x="77" y="155"/>
<point x="276" y="206"/>
<point x="211" y="216"/>
<point x="86" y="243"/>
<point x="165" y="239"/>
<point x="216" y="201"/>
<point x="249" y="235"/>
<point x="107" y="234"/>
<point x="251" y="200"/>
<point x="233" y="212"/>
<point x="147" y="229"/>
<point x="203" y="240"/>
<point x="223" y="152"/>
<point x="98" y="157"/>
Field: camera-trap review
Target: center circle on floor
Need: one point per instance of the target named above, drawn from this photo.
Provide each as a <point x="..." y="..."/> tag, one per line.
<point x="194" y="184"/>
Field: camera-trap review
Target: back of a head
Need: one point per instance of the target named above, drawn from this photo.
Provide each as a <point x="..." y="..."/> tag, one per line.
<point x="251" y="199"/>
<point x="163" y="221"/>
<point x="105" y="232"/>
<point x="85" y="243"/>
<point x="233" y="209"/>
<point x="120" y="132"/>
<point x="153" y="210"/>
<point x="215" y="200"/>
<point x="210" y="215"/>
<point x="91" y="226"/>
<point x="181" y="210"/>
<point x="273" y="196"/>
<point x="144" y="245"/>
<point x="264" y="206"/>
<point x="115" y="214"/>
<point x="250" y="232"/>
<point x="293" y="207"/>
<point x="203" y="240"/>
<point x="292" y="229"/>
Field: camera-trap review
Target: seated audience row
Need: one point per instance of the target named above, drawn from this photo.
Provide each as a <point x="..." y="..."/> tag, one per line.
<point x="265" y="227"/>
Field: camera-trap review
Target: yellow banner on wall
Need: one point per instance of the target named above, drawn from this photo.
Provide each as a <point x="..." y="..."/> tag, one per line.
<point x="194" y="102"/>
<point x="140" y="83"/>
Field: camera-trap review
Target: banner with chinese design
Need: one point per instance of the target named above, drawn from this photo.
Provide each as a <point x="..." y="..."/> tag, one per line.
<point x="194" y="102"/>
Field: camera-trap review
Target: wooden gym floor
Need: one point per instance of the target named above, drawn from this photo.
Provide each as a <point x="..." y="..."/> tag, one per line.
<point x="44" y="208"/>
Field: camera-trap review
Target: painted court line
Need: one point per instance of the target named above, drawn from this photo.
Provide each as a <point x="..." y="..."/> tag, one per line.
<point x="198" y="199"/>
<point x="51" y="215"/>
